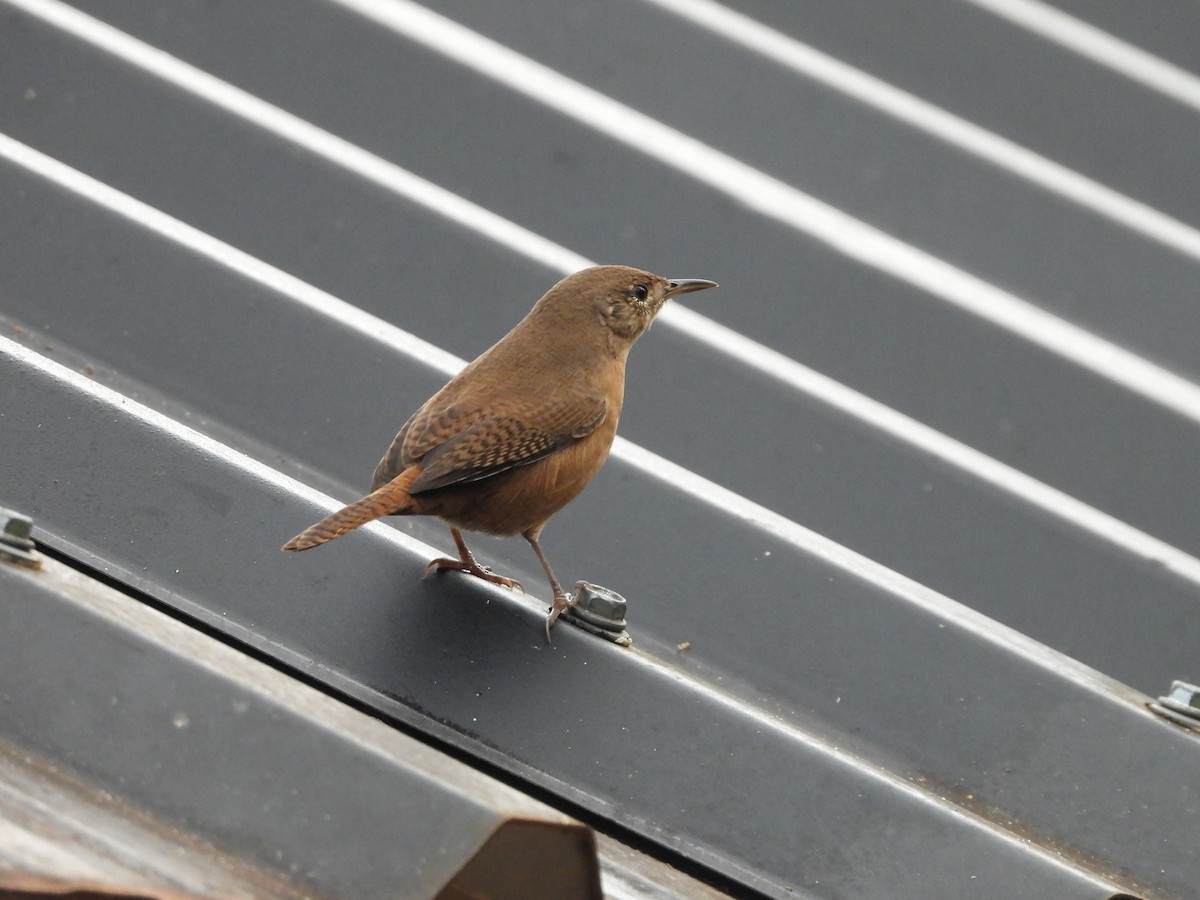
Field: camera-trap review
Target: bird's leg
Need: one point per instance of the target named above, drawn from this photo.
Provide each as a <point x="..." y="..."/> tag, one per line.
<point x="466" y="563"/>
<point x="561" y="602"/>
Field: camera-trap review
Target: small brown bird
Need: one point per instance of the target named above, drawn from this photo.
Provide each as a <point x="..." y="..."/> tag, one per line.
<point x="518" y="433"/>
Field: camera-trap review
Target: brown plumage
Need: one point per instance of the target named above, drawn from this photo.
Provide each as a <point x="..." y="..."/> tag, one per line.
<point x="518" y="433"/>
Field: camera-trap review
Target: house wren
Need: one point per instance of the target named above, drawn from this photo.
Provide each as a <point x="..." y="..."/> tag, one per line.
<point x="518" y="433"/>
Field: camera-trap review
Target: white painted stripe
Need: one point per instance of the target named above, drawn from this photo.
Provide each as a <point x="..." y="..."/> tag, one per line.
<point x="227" y="256"/>
<point x="937" y="122"/>
<point x="1095" y="683"/>
<point x="933" y="442"/>
<point x="780" y="201"/>
<point x="724" y="500"/>
<point x="1100" y="47"/>
<point x="304" y="134"/>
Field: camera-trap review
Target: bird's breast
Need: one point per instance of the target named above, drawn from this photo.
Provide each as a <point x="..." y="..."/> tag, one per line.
<point x="523" y="497"/>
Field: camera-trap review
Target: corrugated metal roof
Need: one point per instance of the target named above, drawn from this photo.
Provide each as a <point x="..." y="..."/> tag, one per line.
<point x="201" y="744"/>
<point x="912" y="486"/>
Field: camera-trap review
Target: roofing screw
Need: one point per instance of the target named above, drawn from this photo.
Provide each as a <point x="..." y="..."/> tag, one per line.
<point x="600" y="611"/>
<point x="1181" y="706"/>
<point x="15" y="544"/>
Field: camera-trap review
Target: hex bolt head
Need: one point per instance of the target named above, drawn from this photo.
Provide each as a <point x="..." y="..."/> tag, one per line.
<point x="601" y="611"/>
<point x="1181" y="705"/>
<point x="16" y="545"/>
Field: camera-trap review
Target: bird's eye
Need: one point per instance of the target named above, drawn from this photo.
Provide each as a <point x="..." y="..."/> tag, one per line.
<point x="640" y="292"/>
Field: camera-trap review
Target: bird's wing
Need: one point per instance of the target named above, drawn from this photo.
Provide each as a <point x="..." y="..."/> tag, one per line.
<point x="457" y="445"/>
<point x="497" y="442"/>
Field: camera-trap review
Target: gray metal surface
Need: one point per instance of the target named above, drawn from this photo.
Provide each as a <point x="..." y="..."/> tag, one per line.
<point x="932" y="692"/>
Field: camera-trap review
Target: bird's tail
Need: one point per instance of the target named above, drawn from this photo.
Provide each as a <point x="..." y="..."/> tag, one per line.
<point x="393" y="497"/>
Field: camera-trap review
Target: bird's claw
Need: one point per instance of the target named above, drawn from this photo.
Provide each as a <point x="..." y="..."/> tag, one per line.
<point x="561" y="605"/>
<point x="472" y="568"/>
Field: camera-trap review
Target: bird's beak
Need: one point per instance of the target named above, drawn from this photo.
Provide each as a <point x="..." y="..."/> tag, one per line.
<point x="686" y="286"/>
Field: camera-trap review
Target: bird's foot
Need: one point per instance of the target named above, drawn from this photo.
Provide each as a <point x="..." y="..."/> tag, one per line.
<point x="471" y="567"/>
<point x="562" y="602"/>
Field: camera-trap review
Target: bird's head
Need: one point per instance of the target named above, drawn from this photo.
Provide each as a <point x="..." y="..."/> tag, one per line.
<point x="622" y="299"/>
